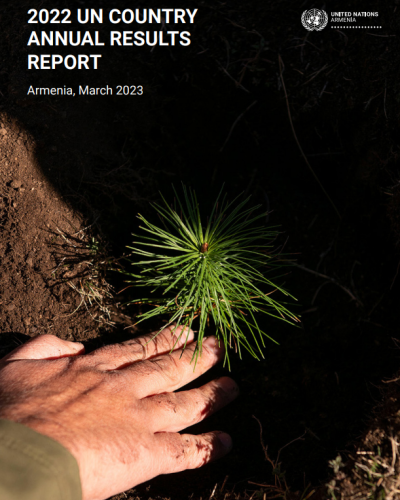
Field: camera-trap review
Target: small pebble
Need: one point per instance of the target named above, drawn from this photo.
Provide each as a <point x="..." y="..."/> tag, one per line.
<point x="16" y="184"/>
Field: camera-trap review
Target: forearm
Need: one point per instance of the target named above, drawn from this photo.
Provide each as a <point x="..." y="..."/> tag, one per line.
<point x="35" y="467"/>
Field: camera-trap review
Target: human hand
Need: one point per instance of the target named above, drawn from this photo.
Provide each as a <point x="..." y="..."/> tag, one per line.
<point x="114" y="409"/>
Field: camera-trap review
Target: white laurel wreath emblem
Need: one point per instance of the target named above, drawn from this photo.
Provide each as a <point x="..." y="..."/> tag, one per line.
<point x="314" y="19"/>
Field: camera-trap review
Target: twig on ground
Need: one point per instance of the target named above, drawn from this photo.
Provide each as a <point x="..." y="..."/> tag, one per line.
<point x="297" y="140"/>
<point x="233" y="79"/>
<point x="332" y="280"/>
<point x="316" y="73"/>
<point x="235" y="123"/>
<point x="300" y="438"/>
<point x="213" y="491"/>
<point x="278" y="487"/>
<point x="224" y="483"/>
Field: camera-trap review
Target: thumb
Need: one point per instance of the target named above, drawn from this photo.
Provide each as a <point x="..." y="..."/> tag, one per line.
<point x="45" y="347"/>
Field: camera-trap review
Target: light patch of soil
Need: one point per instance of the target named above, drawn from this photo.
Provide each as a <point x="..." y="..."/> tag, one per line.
<point x="34" y="299"/>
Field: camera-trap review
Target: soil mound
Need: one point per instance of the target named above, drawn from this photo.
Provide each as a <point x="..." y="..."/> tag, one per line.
<point x="36" y="296"/>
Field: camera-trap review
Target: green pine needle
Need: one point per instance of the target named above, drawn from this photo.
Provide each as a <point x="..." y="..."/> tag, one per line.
<point x="214" y="271"/>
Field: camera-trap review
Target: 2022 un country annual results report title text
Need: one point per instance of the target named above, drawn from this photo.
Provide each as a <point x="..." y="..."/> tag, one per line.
<point x="56" y="38"/>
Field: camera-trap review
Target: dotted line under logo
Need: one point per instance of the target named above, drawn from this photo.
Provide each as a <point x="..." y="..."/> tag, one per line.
<point x="356" y="27"/>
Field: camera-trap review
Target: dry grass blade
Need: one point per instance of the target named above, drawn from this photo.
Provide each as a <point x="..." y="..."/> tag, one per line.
<point x="83" y="263"/>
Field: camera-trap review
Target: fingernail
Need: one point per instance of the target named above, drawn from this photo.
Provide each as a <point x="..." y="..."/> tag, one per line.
<point x="211" y="342"/>
<point x="225" y="440"/>
<point x="228" y="385"/>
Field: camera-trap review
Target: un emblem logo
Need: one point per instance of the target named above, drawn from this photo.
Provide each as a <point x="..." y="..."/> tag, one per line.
<point x="314" y="19"/>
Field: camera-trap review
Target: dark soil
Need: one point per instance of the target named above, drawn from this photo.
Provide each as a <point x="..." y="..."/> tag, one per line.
<point x="33" y="301"/>
<point x="75" y="171"/>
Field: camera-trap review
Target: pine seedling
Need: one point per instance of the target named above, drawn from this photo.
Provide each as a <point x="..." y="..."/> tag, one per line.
<point x="215" y="271"/>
